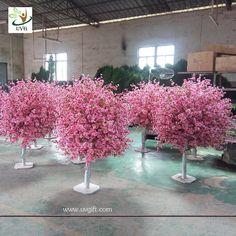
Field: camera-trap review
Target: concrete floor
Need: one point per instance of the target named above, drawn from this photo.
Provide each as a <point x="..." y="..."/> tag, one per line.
<point x="130" y="185"/>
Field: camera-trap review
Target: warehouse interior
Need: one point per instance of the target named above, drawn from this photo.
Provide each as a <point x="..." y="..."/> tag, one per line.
<point x="138" y="194"/>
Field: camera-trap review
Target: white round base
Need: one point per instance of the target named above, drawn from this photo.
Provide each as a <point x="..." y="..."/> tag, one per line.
<point x="63" y="160"/>
<point x="50" y="138"/>
<point x="78" y="161"/>
<point x="194" y="158"/>
<point x="81" y="188"/>
<point x="33" y="147"/>
<point x="142" y="150"/>
<point x="27" y="165"/>
<point x="188" y="180"/>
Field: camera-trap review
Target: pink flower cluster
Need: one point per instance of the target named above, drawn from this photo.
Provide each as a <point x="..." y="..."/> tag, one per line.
<point x="92" y="121"/>
<point x="140" y="102"/>
<point x="195" y="114"/>
<point x="28" y="112"/>
<point x="3" y="96"/>
<point x="54" y="92"/>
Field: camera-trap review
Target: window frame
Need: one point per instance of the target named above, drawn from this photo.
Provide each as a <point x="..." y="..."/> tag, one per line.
<point x="165" y="55"/>
<point x="56" y="61"/>
<point x="155" y="53"/>
<point x="146" y="57"/>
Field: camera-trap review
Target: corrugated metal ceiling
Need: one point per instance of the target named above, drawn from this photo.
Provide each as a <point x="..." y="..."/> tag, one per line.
<point x="53" y="13"/>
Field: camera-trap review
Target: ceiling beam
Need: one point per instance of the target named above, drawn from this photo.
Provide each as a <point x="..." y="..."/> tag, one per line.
<point x="39" y="17"/>
<point x="100" y="3"/>
<point x="151" y="7"/>
<point x="126" y="9"/>
<point x="71" y="11"/>
<point x="66" y="8"/>
<point x="144" y="10"/>
<point x="22" y="3"/>
<point x="165" y="5"/>
<point x="76" y="7"/>
<point x="228" y="4"/>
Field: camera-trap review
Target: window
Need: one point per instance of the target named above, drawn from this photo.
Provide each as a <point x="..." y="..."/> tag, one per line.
<point x="146" y="57"/>
<point x="56" y="63"/>
<point x="153" y="56"/>
<point x="165" y="55"/>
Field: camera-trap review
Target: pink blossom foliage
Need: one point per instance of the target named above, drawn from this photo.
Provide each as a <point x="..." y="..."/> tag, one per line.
<point x="140" y="102"/>
<point x="3" y="96"/>
<point x="54" y="92"/>
<point x="28" y="112"/>
<point x="92" y="121"/>
<point x="195" y="114"/>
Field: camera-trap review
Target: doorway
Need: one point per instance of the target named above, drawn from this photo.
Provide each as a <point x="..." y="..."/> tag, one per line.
<point x="3" y="73"/>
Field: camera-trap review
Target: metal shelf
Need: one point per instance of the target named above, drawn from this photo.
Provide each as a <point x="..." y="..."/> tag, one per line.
<point x="194" y="72"/>
<point x="226" y="72"/>
<point x="206" y="72"/>
<point x="214" y="73"/>
<point x="229" y="89"/>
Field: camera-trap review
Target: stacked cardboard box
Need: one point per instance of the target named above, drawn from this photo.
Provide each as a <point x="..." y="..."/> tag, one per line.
<point x="222" y="49"/>
<point x="226" y="64"/>
<point x="201" y="61"/>
<point x="219" y="58"/>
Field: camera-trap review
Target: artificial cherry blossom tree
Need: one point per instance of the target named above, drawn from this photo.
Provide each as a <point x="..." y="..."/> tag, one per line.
<point x="140" y="102"/>
<point x="195" y="114"/>
<point x="92" y="123"/>
<point x="28" y="114"/>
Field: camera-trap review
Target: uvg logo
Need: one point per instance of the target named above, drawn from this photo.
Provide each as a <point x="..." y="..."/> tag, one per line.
<point x="20" y="19"/>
